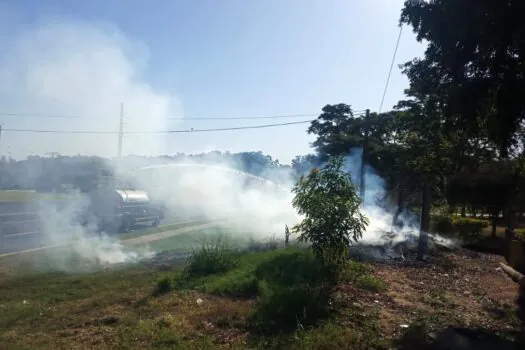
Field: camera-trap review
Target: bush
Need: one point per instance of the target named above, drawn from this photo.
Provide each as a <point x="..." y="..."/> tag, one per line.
<point x="469" y="229"/>
<point x="293" y="269"/>
<point x="288" y="308"/>
<point x="211" y="258"/>
<point x="466" y="228"/>
<point x="371" y="283"/>
<point x="441" y="224"/>
<point x="330" y="204"/>
<point x="164" y="285"/>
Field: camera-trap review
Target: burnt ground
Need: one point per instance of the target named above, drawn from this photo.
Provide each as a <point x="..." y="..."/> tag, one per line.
<point x="461" y="288"/>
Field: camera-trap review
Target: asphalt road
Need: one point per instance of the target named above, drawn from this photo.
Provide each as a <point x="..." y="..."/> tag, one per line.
<point x="199" y="225"/>
<point x="21" y="226"/>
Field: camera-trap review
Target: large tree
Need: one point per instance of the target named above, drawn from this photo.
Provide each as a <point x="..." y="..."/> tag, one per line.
<point x="339" y="130"/>
<point x="473" y="68"/>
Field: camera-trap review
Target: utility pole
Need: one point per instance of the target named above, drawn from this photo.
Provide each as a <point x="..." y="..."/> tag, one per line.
<point x="52" y="154"/>
<point x="364" y="159"/>
<point x="121" y="130"/>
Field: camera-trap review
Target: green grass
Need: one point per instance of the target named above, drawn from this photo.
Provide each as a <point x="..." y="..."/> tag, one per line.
<point x="289" y="285"/>
<point x="162" y="228"/>
<point x="264" y="299"/>
<point x="187" y="242"/>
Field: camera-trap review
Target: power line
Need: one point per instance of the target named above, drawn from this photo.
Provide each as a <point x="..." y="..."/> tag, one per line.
<point x="153" y="132"/>
<point x="173" y="118"/>
<point x="39" y="116"/>
<point x="248" y="118"/>
<point x="390" y="71"/>
<point x="263" y="117"/>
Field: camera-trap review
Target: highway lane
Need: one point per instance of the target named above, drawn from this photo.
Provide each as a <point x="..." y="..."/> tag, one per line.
<point x="130" y="241"/>
<point x="18" y="239"/>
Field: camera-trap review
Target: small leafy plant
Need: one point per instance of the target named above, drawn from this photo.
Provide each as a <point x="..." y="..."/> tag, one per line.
<point x="332" y="218"/>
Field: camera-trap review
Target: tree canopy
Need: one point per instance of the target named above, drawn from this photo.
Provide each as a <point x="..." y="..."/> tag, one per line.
<point x="473" y="69"/>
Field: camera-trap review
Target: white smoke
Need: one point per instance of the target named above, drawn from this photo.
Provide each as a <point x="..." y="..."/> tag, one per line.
<point x="381" y="231"/>
<point x="257" y="205"/>
<point x="61" y="224"/>
<point x="86" y="70"/>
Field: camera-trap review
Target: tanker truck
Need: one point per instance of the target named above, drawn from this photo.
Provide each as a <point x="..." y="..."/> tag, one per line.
<point x="119" y="210"/>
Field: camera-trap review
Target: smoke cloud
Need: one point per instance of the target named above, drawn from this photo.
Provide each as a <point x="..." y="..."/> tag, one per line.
<point x="85" y="69"/>
<point x="71" y="68"/>
<point x="257" y="205"/>
<point x="382" y="239"/>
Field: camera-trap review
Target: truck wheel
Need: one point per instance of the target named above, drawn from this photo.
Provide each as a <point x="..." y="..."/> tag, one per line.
<point x="125" y="227"/>
<point x="155" y="222"/>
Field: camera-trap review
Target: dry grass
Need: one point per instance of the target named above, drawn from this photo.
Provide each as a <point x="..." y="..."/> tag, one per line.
<point x="20" y="196"/>
<point x="116" y="309"/>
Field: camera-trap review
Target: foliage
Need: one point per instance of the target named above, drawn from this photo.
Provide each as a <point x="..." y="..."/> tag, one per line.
<point x="289" y="285"/>
<point x="339" y="130"/>
<point x="520" y="234"/>
<point x="286" y="309"/>
<point x="469" y="228"/>
<point x="164" y="285"/>
<point x="473" y="66"/>
<point x="442" y="224"/>
<point x="332" y="218"/>
<point x="211" y="258"/>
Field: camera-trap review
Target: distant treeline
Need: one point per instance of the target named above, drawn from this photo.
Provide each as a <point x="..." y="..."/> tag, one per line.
<point x="62" y="173"/>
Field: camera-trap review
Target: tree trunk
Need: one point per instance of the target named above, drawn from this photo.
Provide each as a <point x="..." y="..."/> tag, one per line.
<point x="511" y="213"/>
<point x="400" y="204"/>
<point x="494" y="223"/>
<point x="425" y="219"/>
<point x="463" y="210"/>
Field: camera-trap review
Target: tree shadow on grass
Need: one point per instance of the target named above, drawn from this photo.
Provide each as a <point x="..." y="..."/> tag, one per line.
<point x="418" y="337"/>
<point x="292" y="293"/>
<point x="488" y="245"/>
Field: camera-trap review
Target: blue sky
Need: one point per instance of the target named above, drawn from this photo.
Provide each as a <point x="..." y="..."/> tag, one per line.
<point x="203" y="58"/>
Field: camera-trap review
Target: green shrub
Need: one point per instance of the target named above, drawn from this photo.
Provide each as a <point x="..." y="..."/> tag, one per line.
<point x="371" y="283"/>
<point x="164" y="285"/>
<point x="289" y="308"/>
<point x="297" y="268"/>
<point x="211" y="258"/>
<point x="469" y="229"/>
<point x="441" y="224"/>
<point x="238" y="284"/>
<point x="466" y="228"/>
<point x="331" y="207"/>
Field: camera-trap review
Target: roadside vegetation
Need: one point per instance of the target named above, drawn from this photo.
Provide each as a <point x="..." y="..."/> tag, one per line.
<point x="307" y="294"/>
